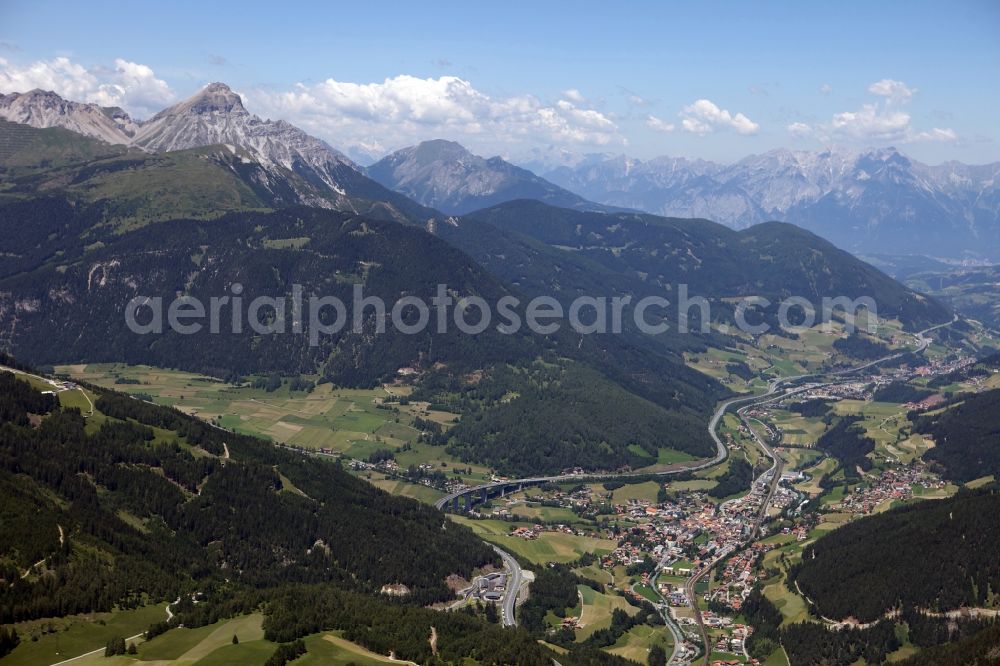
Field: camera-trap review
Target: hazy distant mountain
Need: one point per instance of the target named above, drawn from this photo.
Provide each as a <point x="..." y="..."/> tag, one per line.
<point x="868" y="201"/>
<point x="446" y="176"/>
<point x="216" y="115"/>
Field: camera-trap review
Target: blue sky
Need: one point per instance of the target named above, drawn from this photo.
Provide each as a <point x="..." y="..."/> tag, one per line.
<point x="716" y="80"/>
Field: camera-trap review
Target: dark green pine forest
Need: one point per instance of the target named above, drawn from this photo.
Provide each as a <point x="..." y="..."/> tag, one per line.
<point x="938" y="556"/>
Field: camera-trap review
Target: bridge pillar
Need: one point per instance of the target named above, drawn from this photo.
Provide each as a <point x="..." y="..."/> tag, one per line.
<point x="454" y="505"/>
<point x="486" y="495"/>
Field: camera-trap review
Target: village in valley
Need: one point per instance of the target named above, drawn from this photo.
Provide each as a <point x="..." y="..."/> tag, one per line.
<point x="641" y="539"/>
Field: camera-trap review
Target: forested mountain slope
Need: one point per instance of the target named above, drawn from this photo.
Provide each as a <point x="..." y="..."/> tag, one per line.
<point x="69" y="306"/>
<point x="966" y="436"/>
<point x="197" y="517"/>
<point x="935" y="555"/>
<point x="773" y="260"/>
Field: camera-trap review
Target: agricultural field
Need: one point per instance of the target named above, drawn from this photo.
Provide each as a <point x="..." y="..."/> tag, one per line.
<point x="887" y="425"/>
<point x="545" y="514"/>
<point x="346" y="420"/>
<point x="196" y="646"/>
<point x="692" y="485"/>
<point x="598" y="575"/>
<point x="211" y="645"/>
<point x="330" y="649"/>
<point x="415" y="491"/>
<point x="779" y="356"/>
<point x="793" y="607"/>
<point x="713" y="363"/>
<point x="596" y="609"/>
<point x="797" y="430"/>
<point x="777" y="658"/>
<point x="816" y="473"/>
<point x="636" y="642"/>
<point x="796" y="458"/>
<point x="67" y="637"/>
<point x="548" y="547"/>
<point x="646" y="491"/>
<point x="353" y="422"/>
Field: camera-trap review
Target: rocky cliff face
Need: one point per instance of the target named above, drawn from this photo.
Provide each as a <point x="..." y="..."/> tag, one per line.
<point x="42" y="109"/>
<point x="216" y="116"/>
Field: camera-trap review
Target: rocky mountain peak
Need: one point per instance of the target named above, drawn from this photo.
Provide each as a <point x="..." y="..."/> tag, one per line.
<point x="447" y="176"/>
<point x="437" y="150"/>
<point x="215" y="98"/>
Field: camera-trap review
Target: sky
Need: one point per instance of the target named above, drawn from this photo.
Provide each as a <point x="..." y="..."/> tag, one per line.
<point x="536" y="81"/>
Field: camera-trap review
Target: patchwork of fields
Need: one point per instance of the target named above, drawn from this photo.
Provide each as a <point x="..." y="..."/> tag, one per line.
<point x="353" y="422"/>
<point x="211" y="645"/>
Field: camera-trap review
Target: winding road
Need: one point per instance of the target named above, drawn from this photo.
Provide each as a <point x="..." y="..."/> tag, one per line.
<point x="511" y="589"/>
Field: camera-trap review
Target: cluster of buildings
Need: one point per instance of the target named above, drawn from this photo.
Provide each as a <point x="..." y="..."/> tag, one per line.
<point x="890" y="485"/>
<point x="786" y="497"/>
<point x="489" y="587"/>
<point x="689" y="528"/>
<point x="389" y="466"/>
<point x="944" y="366"/>
<point x="732" y="639"/>
<point x="739" y="575"/>
<point x="529" y="533"/>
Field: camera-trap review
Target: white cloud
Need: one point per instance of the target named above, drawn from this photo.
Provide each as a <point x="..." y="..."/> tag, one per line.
<point x="799" y="129"/>
<point x="405" y="109"/>
<point x="826" y="89"/>
<point x="575" y="96"/>
<point x="634" y="98"/>
<point x="935" y="134"/>
<point x="704" y="117"/>
<point x="880" y="122"/>
<point x="130" y="85"/>
<point x="872" y="123"/>
<point x="659" y="124"/>
<point x="896" y="91"/>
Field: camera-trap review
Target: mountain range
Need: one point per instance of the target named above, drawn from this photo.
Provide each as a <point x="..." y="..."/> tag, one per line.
<point x="873" y="201"/>
<point x="867" y="201"/>
<point x="444" y="175"/>
<point x="876" y="201"/>
<point x="216" y="116"/>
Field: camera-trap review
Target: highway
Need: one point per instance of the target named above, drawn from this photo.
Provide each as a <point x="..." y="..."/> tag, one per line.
<point x="511" y="589"/>
<point x="776" y="387"/>
<point x="668" y="620"/>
